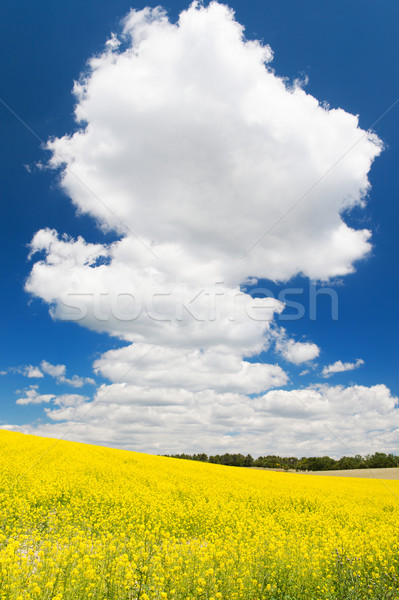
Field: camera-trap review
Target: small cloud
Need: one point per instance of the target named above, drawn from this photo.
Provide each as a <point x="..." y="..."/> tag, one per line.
<point x="25" y="370"/>
<point x="305" y="372"/>
<point x="58" y="372"/>
<point x="55" y="371"/>
<point x="295" y="352"/>
<point x="31" y="371"/>
<point x="32" y="396"/>
<point x="340" y="367"/>
<point x="76" y="381"/>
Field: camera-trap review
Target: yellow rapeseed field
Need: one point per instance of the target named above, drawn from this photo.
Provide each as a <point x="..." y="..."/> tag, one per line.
<point x="82" y="522"/>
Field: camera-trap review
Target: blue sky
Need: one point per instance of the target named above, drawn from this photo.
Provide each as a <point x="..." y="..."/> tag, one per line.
<point x="348" y="52"/>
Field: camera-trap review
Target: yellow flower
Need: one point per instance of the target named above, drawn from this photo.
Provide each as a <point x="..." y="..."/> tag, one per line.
<point x="88" y="519"/>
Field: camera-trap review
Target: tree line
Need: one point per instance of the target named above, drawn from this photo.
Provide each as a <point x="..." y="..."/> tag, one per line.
<point x="307" y="463"/>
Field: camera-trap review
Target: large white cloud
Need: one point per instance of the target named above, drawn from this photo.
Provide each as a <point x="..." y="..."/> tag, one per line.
<point x="175" y="302"/>
<point x="213" y="171"/>
<point x="187" y="137"/>
<point x="315" y="420"/>
<point x="195" y="370"/>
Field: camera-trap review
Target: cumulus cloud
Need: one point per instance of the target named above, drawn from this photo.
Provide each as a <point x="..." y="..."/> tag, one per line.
<point x="76" y="381"/>
<point x="29" y="371"/>
<point x="340" y="367"/>
<point x="58" y="372"/>
<point x="173" y="302"/>
<point x="295" y="352"/>
<point x="32" y="396"/>
<point x="195" y="370"/>
<point x="320" y="419"/>
<point x="190" y="125"/>
<point x="32" y="372"/>
<point x="192" y="149"/>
